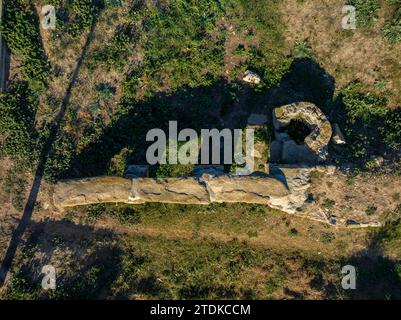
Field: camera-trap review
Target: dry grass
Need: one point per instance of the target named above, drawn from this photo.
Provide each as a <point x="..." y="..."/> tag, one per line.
<point x="361" y="54"/>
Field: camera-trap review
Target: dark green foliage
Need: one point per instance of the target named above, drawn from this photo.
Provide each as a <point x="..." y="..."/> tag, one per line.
<point x="124" y="214"/>
<point x="115" y="53"/>
<point x="327" y="237"/>
<point x="392" y="130"/>
<point x="178" y="44"/>
<point x="17" y="122"/>
<point x="362" y="106"/>
<point x="364" y="123"/>
<point x="95" y="211"/>
<point x="328" y="203"/>
<point x="58" y="162"/>
<point x="20" y="31"/>
<point x="392" y="28"/>
<point x="14" y="184"/>
<point x="302" y="49"/>
<point x="371" y="210"/>
<point x="113" y="3"/>
<point x="174" y="170"/>
<point x="82" y="12"/>
<point x="105" y="91"/>
<point x="263" y="19"/>
<point x="366" y="11"/>
<point x="264" y="134"/>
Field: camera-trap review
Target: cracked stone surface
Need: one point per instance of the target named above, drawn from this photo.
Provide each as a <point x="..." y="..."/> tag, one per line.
<point x="314" y="148"/>
<point x="171" y="190"/>
<point x="91" y="190"/>
<point x="246" y="189"/>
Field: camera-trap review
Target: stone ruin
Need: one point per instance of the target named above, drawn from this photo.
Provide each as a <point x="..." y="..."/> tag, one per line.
<point x="314" y="148"/>
<point x="281" y="184"/>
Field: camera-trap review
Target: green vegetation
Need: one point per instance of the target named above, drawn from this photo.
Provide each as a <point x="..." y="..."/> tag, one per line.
<point x="366" y="11"/>
<point x="371" y="210"/>
<point x="302" y="50"/>
<point x="361" y="106"/>
<point x="328" y="203"/>
<point x="371" y="128"/>
<point x="14" y="185"/>
<point x="265" y="22"/>
<point x="327" y="237"/>
<point x="179" y="48"/>
<point x="392" y="28"/>
<point x="122" y="213"/>
<point x="105" y="91"/>
<point x="20" y="31"/>
<point x="17" y="123"/>
<point x="114" y="54"/>
<point x="83" y="14"/>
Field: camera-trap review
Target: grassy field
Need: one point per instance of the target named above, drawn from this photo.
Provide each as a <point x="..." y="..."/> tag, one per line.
<point x="196" y="252"/>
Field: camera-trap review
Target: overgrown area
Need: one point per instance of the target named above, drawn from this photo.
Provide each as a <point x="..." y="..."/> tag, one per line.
<point x="123" y="67"/>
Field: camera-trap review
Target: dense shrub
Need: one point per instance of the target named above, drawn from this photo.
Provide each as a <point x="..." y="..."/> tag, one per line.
<point x="359" y="105"/>
<point x="366" y="11"/>
<point x="83" y="12"/>
<point x="17" y="122"/>
<point x="371" y="127"/>
<point x="392" y="130"/>
<point x="113" y="3"/>
<point x="19" y="29"/>
<point x="179" y="48"/>
<point x="114" y="54"/>
<point x="60" y="157"/>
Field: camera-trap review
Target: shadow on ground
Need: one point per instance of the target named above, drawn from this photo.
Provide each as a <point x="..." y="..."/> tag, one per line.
<point x="40" y="169"/>
<point x="222" y="105"/>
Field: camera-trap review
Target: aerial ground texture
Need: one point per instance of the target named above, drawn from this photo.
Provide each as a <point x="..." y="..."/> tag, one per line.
<point x="81" y="98"/>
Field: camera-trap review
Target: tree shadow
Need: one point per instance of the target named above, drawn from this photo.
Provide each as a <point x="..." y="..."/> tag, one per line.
<point x="40" y="169"/>
<point x="221" y="105"/>
<point x="378" y="277"/>
<point x="97" y="266"/>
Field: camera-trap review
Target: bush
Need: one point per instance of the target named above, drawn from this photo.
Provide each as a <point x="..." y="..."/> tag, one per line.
<point x="14" y="184"/>
<point x="115" y="53"/>
<point x="327" y="237"/>
<point x="359" y="105"/>
<point x="302" y="49"/>
<point x="179" y="48"/>
<point x="262" y="18"/>
<point x="371" y="210"/>
<point x="366" y="11"/>
<point x="105" y="91"/>
<point x="392" y="28"/>
<point x="392" y="130"/>
<point x="113" y="3"/>
<point x="19" y="30"/>
<point x="364" y="118"/>
<point x="60" y="157"/>
<point x="83" y="12"/>
<point x="17" y="122"/>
